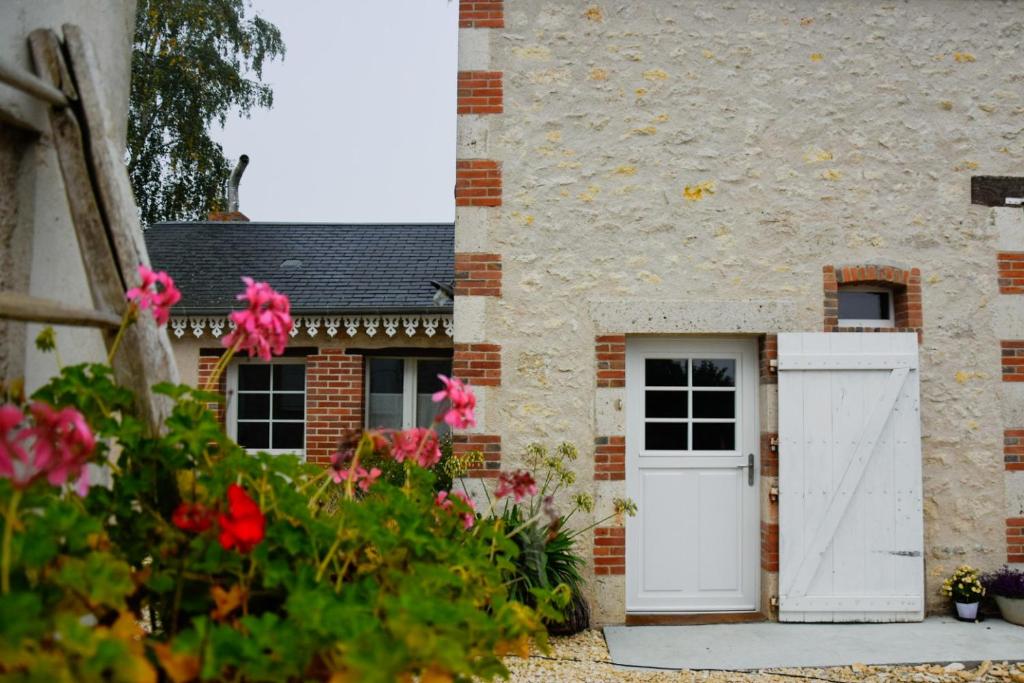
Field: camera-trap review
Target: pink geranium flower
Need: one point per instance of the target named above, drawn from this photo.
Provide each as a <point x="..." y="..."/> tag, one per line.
<point x="418" y="443"/>
<point x="444" y="501"/>
<point x="261" y="329"/>
<point x="518" y="484"/>
<point x="147" y="295"/>
<point x="340" y="469"/>
<point x="12" y="444"/>
<point x="461" y="402"/>
<point x="57" y="447"/>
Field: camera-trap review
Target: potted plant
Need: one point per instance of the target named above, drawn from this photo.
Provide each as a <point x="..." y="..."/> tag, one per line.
<point x="966" y="590"/>
<point x="1007" y="586"/>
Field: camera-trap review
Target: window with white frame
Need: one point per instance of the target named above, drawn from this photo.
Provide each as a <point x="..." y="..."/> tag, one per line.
<point x="267" y="405"/>
<point x="399" y="392"/>
<point x="866" y="307"/>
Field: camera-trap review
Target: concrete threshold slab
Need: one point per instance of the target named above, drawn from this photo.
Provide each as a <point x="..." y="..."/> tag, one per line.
<point x="775" y="645"/>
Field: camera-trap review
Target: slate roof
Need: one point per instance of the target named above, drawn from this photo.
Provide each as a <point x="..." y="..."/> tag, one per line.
<point x="323" y="268"/>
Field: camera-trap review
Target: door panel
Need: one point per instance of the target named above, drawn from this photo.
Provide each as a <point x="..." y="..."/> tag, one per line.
<point x="850" y="512"/>
<point x="691" y="426"/>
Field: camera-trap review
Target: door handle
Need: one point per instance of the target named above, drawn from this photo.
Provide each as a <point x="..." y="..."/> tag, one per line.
<point x="750" y="469"/>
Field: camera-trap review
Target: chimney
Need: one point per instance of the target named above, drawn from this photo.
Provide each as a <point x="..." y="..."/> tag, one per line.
<point x="233" y="214"/>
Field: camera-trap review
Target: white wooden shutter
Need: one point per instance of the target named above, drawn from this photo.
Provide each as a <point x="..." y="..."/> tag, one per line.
<point x="850" y="512"/>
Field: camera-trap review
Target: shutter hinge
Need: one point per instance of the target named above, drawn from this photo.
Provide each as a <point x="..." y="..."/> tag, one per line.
<point x="773" y="365"/>
<point x="774" y="601"/>
<point x="773" y="443"/>
<point x="773" y="494"/>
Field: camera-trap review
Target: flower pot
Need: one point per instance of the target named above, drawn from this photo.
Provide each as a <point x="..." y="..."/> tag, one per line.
<point x="967" y="610"/>
<point x="1012" y="609"/>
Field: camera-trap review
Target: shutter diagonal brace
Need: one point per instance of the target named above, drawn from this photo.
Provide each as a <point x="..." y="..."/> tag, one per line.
<point x="865" y="448"/>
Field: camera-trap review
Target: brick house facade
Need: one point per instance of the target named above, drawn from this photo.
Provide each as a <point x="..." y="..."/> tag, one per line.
<point x="350" y="323"/>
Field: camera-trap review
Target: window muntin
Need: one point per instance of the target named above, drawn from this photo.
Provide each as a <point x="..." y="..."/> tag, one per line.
<point x="400" y="392"/>
<point x="269" y="411"/>
<point x="690" y="404"/>
<point x="866" y="307"/>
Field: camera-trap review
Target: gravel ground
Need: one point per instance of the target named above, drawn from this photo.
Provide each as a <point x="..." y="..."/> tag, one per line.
<point x="584" y="657"/>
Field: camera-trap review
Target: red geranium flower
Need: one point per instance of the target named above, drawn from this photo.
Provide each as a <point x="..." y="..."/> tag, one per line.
<point x="242" y="527"/>
<point x="193" y="517"/>
<point x="518" y="484"/>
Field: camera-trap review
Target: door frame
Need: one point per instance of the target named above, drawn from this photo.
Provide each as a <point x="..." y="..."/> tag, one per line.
<point x="745" y="349"/>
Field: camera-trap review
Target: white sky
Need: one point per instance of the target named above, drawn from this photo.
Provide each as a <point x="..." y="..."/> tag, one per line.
<point x="363" y="124"/>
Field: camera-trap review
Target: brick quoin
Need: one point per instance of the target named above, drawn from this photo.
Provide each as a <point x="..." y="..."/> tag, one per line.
<point x="478" y="364"/>
<point x="768" y="351"/>
<point x="609" y="550"/>
<point x="480" y="92"/>
<point x="1013" y="360"/>
<point x="482" y="14"/>
<point x="477" y="274"/>
<point x="610" y="458"/>
<point x="905" y="284"/>
<point x="769" y="547"/>
<point x="611" y="360"/>
<point x="769" y="455"/>
<point x="1013" y="449"/>
<point x="206" y="365"/>
<point x="488" y="445"/>
<point x="1010" y="266"/>
<point x="477" y="182"/>
<point x="334" y="401"/>
<point x="1015" y="539"/>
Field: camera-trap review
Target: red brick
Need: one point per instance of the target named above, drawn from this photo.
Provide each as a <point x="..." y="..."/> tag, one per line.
<point x="610" y="355"/>
<point x="610" y="458"/>
<point x="477" y="182"/>
<point x="769" y="547"/>
<point x="1010" y="272"/>
<point x="768" y="351"/>
<point x="478" y="364"/>
<point x="488" y="445"/>
<point x="481" y="14"/>
<point x="480" y="92"/>
<point x="477" y="274"/>
<point x="609" y="551"/>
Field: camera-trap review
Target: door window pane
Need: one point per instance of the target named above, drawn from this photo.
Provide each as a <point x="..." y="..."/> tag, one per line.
<point x="253" y="406"/>
<point x="288" y="435"/>
<point x="714" y="372"/>
<point x="427" y="384"/>
<point x="289" y="406"/>
<point x="666" y="403"/>
<point x="714" y="436"/>
<point x="254" y="377"/>
<point x="254" y="434"/>
<point x="387" y="377"/>
<point x="720" y="404"/>
<point x="665" y="436"/>
<point x="665" y="372"/>
<point x="289" y="377"/>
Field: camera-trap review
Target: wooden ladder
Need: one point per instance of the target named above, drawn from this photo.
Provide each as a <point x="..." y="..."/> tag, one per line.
<point x="103" y="212"/>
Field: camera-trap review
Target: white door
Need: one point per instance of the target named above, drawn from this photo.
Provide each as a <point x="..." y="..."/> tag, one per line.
<point x="692" y="468"/>
<point x="850" y="515"/>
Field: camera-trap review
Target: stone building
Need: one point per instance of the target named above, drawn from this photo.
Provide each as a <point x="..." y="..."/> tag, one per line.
<point x="669" y="190"/>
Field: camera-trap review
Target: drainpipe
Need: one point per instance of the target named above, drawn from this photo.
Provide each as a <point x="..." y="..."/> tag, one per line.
<point x="236" y="177"/>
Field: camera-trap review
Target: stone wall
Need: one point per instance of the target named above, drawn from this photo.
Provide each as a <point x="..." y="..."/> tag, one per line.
<point x="691" y="167"/>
